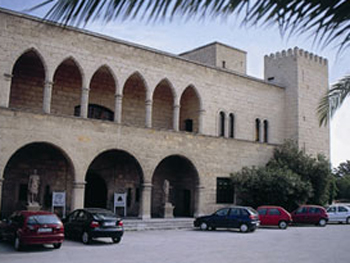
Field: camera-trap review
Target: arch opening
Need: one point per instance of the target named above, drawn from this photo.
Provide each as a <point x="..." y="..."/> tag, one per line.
<point x="183" y="179"/>
<point x="55" y="171"/>
<point x="134" y="97"/>
<point x="163" y="101"/>
<point x="189" y="110"/>
<point x="114" y="171"/>
<point x="28" y="80"/>
<point x="66" y="91"/>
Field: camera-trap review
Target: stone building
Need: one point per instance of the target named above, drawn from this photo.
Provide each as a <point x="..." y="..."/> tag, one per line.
<point x="95" y="115"/>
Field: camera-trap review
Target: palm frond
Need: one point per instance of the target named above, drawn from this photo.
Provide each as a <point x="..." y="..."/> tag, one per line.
<point x="333" y="100"/>
<point x="328" y="21"/>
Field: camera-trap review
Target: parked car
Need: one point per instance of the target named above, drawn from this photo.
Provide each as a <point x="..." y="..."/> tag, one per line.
<point x="244" y="218"/>
<point x="32" y="227"/>
<point x="274" y="216"/>
<point x="339" y="213"/>
<point x="90" y="223"/>
<point x="310" y="214"/>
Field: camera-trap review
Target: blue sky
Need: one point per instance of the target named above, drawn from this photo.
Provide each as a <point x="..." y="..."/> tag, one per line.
<point x="180" y="35"/>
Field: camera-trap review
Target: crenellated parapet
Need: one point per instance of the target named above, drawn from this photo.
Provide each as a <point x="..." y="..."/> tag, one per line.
<point x="297" y="52"/>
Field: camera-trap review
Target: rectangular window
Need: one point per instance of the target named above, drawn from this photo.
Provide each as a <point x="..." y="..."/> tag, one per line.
<point x="224" y="191"/>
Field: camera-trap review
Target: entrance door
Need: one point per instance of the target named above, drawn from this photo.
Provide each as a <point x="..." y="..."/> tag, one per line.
<point x="95" y="191"/>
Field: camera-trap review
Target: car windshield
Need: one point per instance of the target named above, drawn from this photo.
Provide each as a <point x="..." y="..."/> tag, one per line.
<point x="42" y="220"/>
<point x="104" y="215"/>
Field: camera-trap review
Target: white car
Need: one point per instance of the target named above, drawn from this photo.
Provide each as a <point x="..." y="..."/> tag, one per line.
<point x="339" y="213"/>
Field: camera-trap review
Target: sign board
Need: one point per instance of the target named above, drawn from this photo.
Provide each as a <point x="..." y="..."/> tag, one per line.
<point x="120" y="201"/>
<point x="59" y="200"/>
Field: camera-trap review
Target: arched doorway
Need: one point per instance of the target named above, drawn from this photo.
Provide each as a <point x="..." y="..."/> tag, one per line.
<point x="95" y="191"/>
<point x="27" y="85"/>
<point x="114" y="171"/>
<point x="183" y="178"/>
<point x="53" y="167"/>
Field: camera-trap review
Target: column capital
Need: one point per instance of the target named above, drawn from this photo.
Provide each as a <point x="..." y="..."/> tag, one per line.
<point x="147" y="185"/>
<point x="118" y="96"/>
<point x="8" y="77"/>
<point x="148" y="102"/>
<point x="176" y="106"/>
<point x="79" y="185"/>
<point x="48" y="83"/>
<point x="84" y="89"/>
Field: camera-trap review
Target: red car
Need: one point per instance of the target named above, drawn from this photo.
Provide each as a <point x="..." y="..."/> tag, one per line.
<point x="274" y="216"/>
<point x="310" y="214"/>
<point x="32" y="227"/>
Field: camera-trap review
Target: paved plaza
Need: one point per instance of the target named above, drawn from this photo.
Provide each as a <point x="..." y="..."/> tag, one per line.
<point x="296" y="244"/>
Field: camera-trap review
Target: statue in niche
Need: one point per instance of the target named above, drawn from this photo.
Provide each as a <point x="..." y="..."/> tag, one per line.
<point x="33" y="188"/>
<point x="166" y="190"/>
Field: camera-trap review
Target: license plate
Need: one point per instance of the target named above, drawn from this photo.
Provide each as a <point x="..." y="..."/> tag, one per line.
<point x="44" y="230"/>
<point x="109" y="224"/>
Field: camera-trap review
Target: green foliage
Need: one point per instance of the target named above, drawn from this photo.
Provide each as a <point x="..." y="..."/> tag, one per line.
<point x="342" y="181"/>
<point x="290" y="178"/>
<point x="271" y="186"/>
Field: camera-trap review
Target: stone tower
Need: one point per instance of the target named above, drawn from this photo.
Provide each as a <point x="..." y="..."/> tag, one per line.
<point x="305" y="77"/>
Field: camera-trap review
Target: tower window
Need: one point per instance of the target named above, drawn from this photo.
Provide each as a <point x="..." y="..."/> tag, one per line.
<point x="222" y="124"/>
<point x="232" y="126"/>
<point x="257" y="130"/>
<point x="223" y="64"/>
<point x="266" y="131"/>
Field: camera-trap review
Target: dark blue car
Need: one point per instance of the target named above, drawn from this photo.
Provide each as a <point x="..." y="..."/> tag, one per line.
<point x="246" y="219"/>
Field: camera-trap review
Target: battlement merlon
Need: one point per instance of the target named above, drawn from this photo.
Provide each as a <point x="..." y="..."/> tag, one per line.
<point x="296" y="52"/>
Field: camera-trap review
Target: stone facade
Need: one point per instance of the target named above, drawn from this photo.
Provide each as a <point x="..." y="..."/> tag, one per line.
<point x="95" y="116"/>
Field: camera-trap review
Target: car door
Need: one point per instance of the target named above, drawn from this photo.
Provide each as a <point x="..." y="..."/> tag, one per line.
<point x="70" y="223"/>
<point x="342" y="213"/>
<point x="300" y="215"/>
<point x="263" y="216"/>
<point x="313" y="215"/>
<point x="332" y="213"/>
<point x="81" y="222"/>
<point x="273" y="215"/>
<point x="233" y="220"/>
<point x="220" y="218"/>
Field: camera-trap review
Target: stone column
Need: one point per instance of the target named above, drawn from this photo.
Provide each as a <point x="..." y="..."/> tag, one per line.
<point x="47" y="96"/>
<point x="5" y="89"/>
<point x="200" y="120"/>
<point x="227" y="126"/>
<point x="78" y="195"/>
<point x="1" y="184"/>
<point x="149" y="113"/>
<point x="199" y="201"/>
<point x="84" y="103"/>
<point x="118" y="100"/>
<point x="176" y="117"/>
<point x="146" y="201"/>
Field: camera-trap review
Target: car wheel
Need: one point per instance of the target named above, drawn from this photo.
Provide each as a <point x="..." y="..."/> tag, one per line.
<point x="282" y="225"/>
<point x="57" y="245"/>
<point x="322" y="222"/>
<point x="244" y="228"/>
<point x="116" y="240"/>
<point x="18" y="245"/>
<point x="203" y="226"/>
<point x="348" y="220"/>
<point x="85" y="237"/>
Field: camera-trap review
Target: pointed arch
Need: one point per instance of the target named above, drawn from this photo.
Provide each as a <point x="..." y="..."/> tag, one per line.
<point x="163" y="101"/>
<point x="190" y="106"/>
<point x="102" y="94"/>
<point x="66" y="93"/>
<point x="27" y="86"/>
<point x="134" y="100"/>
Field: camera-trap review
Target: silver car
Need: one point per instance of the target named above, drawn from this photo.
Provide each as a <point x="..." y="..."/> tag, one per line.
<point x="339" y="213"/>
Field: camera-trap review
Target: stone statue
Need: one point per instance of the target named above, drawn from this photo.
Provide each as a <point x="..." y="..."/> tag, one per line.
<point x="166" y="190"/>
<point x="33" y="188"/>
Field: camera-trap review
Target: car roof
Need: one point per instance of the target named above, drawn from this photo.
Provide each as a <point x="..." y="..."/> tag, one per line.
<point x="96" y="210"/>
<point x="270" y="206"/>
<point x="30" y="213"/>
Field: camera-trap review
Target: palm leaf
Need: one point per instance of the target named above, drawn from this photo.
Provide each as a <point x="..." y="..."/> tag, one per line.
<point x="333" y="100"/>
<point x="328" y="21"/>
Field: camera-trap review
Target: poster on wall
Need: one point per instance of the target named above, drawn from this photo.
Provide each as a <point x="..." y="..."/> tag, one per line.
<point x="120" y="202"/>
<point x="59" y="200"/>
